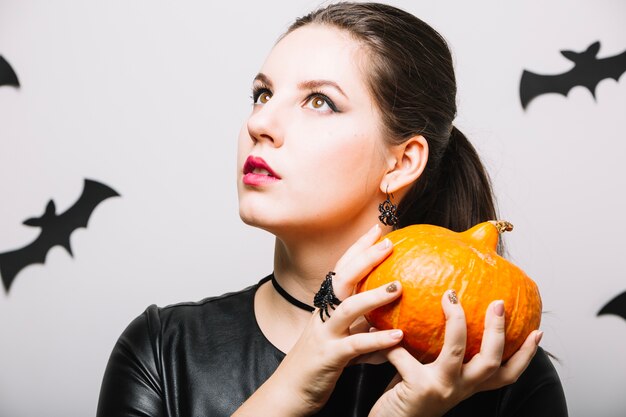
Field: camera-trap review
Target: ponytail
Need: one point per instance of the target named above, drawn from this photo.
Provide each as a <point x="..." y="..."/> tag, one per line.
<point x="454" y="190"/>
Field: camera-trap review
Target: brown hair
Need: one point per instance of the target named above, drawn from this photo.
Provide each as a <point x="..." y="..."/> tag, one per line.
<point x="410" y="73"/>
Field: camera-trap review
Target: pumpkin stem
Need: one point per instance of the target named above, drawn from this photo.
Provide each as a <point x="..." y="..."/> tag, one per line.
<point x="502" y="225"/>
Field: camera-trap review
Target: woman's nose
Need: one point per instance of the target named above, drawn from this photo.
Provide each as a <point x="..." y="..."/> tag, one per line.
<point x="264" y="124"/>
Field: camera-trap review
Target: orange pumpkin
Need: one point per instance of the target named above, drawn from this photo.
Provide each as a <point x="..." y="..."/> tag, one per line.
<point x="428" y="260"/>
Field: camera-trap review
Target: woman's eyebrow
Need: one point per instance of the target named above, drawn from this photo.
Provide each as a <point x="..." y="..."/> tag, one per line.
<point x="264" y="79"/>
<point x="304" y="85"/>
<point x="315" y="84"/>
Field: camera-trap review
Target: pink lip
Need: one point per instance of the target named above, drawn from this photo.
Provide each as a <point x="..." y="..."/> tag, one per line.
<point x="252" y="178"/>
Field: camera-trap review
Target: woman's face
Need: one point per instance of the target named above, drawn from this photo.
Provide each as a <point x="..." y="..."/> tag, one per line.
<point x="317" y="132"/>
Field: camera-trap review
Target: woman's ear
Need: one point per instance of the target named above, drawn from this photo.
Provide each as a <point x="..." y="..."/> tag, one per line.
<point x="406" y="163"/>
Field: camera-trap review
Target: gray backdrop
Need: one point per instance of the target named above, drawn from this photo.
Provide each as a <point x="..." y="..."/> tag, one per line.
<point x="148" y="97"/>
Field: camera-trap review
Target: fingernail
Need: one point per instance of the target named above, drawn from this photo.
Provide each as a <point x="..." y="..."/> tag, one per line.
<point x="384" y="244"/>
<point x="538" y="337"/>
<point x="393" y="287"/>
<point x="396" y="334"/>
<point x="498" y="308"/>
<point x="452" y="297"/>
<point x="375" y="228"/>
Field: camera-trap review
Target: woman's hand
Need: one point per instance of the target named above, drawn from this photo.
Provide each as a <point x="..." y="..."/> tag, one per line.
<point x="304" y="380"/>
<point x="325" y="348"/>
<point x="431" y="390"/>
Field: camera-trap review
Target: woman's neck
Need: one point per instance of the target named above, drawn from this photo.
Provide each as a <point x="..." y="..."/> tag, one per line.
<point x="302" y="262"/>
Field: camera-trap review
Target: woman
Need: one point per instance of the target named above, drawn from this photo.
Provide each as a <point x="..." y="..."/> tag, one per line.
<point x="354" y="104"/>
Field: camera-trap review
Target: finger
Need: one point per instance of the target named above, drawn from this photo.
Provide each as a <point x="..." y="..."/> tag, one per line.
<point x="520" y="360"/>
<point x="406" y="365"/>
<point x="368" y="239"/>
<point x="364" y="343"/>
<point x="360" y="265"/>
<point x="489" y="359"/>
<point x="396" y="379"/>
<point x="360" y="325"/>
<point x="373" y="358"/>
<point x="359" y="304"/>
<point x="513" y="368"/>
<point x="450" y="360"/>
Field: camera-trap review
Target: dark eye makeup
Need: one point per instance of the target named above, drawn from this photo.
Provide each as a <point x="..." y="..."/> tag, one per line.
<point x="325" y="98"/>
<point x="259" y="90"/>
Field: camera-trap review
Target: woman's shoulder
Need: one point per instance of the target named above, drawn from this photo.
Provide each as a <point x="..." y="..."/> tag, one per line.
<point x="537" y="393"/>
<point x="228" y="311"/>
<point x="225" y="303"/>
<point x="231" y="306"/>
<point x="540" y="371"/>
<point x="156" y="340"/>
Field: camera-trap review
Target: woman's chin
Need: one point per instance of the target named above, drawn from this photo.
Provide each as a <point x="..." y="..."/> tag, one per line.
<point x="259" y="220"/>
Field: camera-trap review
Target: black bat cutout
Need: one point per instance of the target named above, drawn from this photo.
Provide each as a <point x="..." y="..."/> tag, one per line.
<point x="55" y="230"/>
<point x="616" y="306"/>
<point x="7" y="75"/>
<point x="588" y="71"/>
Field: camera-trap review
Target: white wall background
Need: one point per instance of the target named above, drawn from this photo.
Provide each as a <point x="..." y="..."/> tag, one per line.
<point x="148" y="97"/>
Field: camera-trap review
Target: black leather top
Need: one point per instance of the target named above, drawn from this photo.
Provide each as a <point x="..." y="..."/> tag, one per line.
<point x="206" y="358"/>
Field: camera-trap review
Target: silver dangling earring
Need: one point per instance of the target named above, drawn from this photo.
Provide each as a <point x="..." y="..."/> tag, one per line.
<point x="388" y="212"/>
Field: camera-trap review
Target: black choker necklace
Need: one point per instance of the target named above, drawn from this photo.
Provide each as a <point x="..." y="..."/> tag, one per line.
<point x="289" y="298"/>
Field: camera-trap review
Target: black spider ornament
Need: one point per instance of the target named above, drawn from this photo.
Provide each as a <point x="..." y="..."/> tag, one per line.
<point x="326" y="297"/>
<point x="388" y="211"/>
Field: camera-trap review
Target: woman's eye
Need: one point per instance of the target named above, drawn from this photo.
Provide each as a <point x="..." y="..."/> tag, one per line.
<point x="261" y="96"/>
<point x="320" y="102"/>
<point x="264" y="97"/>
